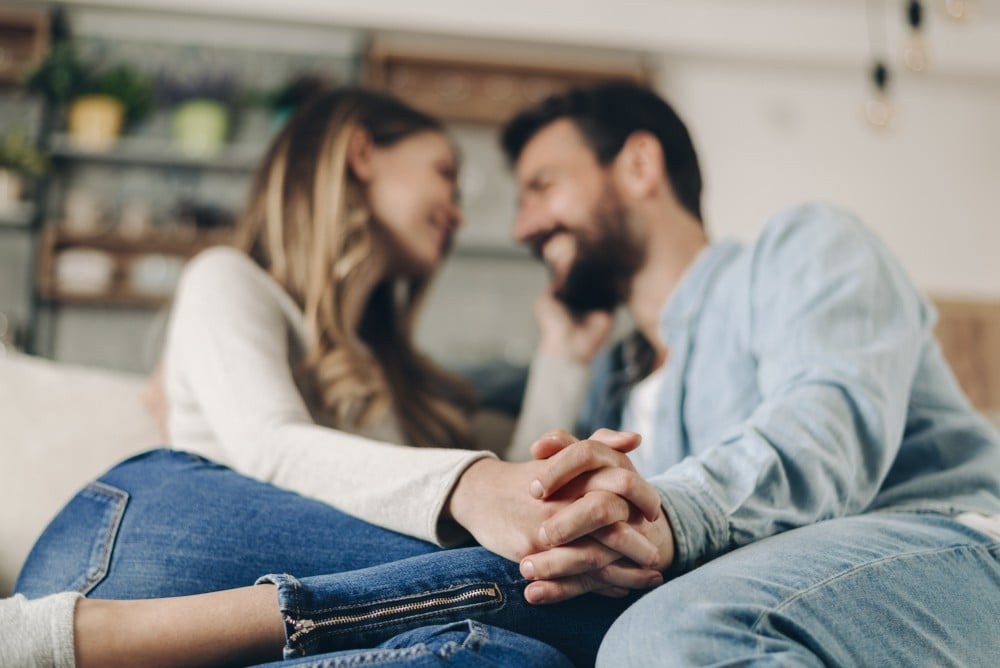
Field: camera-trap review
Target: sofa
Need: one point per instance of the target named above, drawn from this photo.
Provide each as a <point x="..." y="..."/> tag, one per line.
<point x="62" y="426"/>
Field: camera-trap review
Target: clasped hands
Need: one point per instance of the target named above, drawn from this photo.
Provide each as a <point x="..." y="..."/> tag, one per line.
<point x="578" y="518"/>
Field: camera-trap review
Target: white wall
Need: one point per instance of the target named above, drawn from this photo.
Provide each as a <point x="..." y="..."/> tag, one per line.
<point x="773" y="135"/>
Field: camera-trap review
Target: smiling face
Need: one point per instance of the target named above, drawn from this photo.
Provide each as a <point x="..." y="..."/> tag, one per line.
<point x="412" y="191"/>
<point x="572" y="216"/>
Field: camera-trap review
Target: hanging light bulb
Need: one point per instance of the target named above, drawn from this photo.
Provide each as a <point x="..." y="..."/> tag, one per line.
<point x="958" y="9"/>
<point x="878" y="108"/>
<point x="915" y="51"/>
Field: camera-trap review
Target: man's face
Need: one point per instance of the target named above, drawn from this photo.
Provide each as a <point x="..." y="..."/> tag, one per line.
<point x="571" y="215"/>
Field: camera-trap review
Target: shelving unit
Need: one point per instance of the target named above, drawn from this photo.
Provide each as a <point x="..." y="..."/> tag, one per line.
<point x="123" y="253"/>
<point x="158" y="152"/>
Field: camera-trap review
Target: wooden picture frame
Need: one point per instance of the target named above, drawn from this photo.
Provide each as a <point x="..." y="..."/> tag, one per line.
<point x="476" y="89"/>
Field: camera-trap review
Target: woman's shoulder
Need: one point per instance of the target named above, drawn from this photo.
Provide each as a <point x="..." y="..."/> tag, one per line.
<point x="224" y="269"/>
<point x="220" y="262"/>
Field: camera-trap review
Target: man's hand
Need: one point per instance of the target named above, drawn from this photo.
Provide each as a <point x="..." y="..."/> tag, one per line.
<point x="564" y="335"/>
<point x="617" y="503"/>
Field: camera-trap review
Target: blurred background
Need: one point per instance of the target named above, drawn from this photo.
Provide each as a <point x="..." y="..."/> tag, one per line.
<point x="129" y="130"/>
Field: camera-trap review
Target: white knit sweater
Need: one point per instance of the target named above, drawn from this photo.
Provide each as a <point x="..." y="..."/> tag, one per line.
<point x="233" y="339"/>
<point x="38" y="633"/>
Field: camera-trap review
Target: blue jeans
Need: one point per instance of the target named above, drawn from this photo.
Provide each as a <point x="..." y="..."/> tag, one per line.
<point x="882" y="589"/>
<point x="168" y="523"/>
<point x="460" y="644"/>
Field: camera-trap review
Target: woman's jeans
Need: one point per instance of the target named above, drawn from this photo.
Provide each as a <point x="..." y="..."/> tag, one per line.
<point x="878" y="589"/>
<point x="168" y="523"/>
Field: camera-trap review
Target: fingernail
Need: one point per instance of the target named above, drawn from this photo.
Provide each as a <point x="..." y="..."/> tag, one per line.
<point x="543" y="537"/>
<point x="528" y="569"/>
<point x="533" y="595"/>
<point x="655" y="581"/>
<point x="536" y="489"/>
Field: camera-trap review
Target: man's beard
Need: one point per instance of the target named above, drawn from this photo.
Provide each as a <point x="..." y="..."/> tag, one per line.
<point x="600" y="278"/>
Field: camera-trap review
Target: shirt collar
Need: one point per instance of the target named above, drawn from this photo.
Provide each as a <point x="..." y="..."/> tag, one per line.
<point x="684" y="305"/>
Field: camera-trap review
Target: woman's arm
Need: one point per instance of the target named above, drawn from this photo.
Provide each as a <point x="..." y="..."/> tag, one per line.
<point x="560" y="371"/>
<point x="229" y="345"/>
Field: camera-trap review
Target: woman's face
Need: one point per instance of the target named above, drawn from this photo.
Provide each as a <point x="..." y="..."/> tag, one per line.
<point x="413" y="194"/>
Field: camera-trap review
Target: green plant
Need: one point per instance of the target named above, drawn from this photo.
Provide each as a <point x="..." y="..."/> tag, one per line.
<point x="128" y="86"/>
<point x="64" y="76"/>
<point x="61" y="77"/>
<point x="18" y="153"/>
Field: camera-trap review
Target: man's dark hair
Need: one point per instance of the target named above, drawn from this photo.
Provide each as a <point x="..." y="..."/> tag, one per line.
<point x="606" y="114"/>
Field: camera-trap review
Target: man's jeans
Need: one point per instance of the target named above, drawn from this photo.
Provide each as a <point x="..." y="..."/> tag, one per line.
<point x="168" y="523"/>
<point x="883" y="589"/>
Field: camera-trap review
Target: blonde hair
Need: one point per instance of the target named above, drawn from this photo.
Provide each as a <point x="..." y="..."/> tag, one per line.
<point x="308" y="223"/>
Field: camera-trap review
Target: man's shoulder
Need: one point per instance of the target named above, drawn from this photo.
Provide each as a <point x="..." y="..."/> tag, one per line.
<point x="811" y="225"/>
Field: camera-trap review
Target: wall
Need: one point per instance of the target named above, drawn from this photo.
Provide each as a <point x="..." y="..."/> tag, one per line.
<point x="772" y="135"/>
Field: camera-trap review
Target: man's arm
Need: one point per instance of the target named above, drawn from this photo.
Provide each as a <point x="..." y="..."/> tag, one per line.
<point x="837" y="334"/>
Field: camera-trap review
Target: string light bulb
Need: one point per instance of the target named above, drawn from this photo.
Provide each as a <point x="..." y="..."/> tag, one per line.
<point x="915" y="51"/>
<point x="878" y="108"/>
<point x="958" y="9"/>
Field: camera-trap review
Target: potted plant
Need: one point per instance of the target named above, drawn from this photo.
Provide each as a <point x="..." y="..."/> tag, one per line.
<point x="201" y="110"/>
<point x="18" y="157"/>
<point x="100" y="100"/>
<point x="109" y="100"/>
<point x="283" y="100"/>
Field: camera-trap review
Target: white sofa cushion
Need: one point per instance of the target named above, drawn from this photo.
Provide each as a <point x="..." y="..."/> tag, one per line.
<point x="61" y="426"/>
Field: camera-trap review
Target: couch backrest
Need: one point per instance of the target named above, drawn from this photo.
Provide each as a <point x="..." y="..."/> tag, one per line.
<point x="60" y="427"/>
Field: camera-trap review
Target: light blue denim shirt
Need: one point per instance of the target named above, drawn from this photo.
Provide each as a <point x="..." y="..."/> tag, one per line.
<point x="803" y="383"/>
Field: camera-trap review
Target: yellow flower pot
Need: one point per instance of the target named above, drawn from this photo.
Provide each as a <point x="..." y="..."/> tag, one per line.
<point x="95" y="122"/>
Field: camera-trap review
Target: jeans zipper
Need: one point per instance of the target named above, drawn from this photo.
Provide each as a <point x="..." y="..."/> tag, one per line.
<point x="479" y="594"/>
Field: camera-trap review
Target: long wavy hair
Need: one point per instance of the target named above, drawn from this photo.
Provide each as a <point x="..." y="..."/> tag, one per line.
<point x="309" y="225"/>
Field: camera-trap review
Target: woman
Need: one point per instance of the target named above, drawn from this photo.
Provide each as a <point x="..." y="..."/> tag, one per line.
<point x="292" y="362"/>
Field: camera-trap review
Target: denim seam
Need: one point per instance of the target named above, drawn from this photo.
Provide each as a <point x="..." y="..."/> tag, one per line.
<point x="856" y="569"/>
<point x="119" y="499"/>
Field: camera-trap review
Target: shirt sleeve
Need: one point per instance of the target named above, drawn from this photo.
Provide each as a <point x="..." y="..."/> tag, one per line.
<point x="837" y="332"/>
<point x="552" y="400"/>
<point x="229" y="341"/>
<point x="38" y="632"/>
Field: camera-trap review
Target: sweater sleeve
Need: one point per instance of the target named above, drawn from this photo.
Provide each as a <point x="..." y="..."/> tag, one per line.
<point x="552" y="400"/>
<point x="38" y="633"/>
<point x="229" y="342"/>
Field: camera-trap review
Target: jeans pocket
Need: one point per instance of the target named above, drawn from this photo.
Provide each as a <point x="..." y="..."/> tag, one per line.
<point x="74" y="552"/>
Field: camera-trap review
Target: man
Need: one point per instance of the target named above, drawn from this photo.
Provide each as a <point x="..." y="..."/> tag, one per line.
<point x="828" y="495"/>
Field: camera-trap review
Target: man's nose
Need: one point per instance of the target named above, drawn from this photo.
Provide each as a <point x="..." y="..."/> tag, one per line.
<point x="528" y="224"/>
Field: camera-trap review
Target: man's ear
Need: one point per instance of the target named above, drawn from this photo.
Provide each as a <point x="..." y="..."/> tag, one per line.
<point x="361" y="154"/>
<point x="639" y="164"/>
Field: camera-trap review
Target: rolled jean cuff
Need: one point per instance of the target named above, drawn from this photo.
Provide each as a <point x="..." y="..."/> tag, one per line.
<point x="362" y="609"/>
<point x="315" y="626"/>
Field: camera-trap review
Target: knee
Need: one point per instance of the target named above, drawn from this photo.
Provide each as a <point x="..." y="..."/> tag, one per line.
<point x="649" y="633"/>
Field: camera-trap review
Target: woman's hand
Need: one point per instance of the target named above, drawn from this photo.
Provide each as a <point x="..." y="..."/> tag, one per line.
<point x="566" y="336"/>
<point x="616" y="507"/>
